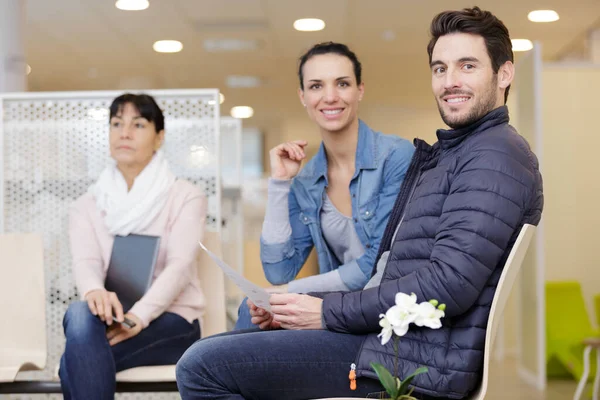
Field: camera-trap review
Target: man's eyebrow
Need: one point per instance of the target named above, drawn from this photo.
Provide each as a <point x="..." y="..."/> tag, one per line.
<point x="469" y="59"/>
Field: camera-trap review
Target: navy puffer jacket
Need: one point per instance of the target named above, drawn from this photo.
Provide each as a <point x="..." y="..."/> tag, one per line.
<point x="460" y="209"/>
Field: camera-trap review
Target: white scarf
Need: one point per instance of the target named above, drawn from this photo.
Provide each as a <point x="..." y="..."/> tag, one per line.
<point x="132" y="211"/>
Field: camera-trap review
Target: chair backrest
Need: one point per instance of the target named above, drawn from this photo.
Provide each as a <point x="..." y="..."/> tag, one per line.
<point x="507" y="279"/>
<point x="566" y="313"/>
<point x="22" y="294"/>
<point x="212" y="281"/>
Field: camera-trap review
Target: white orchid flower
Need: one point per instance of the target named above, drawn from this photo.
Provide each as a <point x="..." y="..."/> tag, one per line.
<point x="386" y="331"/>
<point x="405" y="301"/>
<point x="400" y="317"/>
<point x="428" y="315"/>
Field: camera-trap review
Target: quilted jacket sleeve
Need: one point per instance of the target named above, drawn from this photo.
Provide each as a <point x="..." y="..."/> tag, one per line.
<point x="492" y="190"/>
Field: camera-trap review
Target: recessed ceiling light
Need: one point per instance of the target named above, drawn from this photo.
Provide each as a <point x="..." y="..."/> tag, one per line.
<point x="241" y="81"/>
<point x="215" y="45"/>
<point x="132" y="5"/>
<point x="242" y="112"/>
<point x="221" y="100"/>
<point x="167" y="46"/>
<point x="521" y="44"/>
<point x="28" y="69"/>
<point x="309" y="24"/>
<point x="543" y="16"/>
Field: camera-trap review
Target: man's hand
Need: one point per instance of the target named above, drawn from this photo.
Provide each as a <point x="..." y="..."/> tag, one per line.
<point x="277" y="289"/>
<point x="261" y="317"/>
<point x="296" y="311"/>
<point x="118" y="333"/>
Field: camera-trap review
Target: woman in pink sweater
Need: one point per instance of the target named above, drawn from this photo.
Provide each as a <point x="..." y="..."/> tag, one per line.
<point x="136" y="193"/>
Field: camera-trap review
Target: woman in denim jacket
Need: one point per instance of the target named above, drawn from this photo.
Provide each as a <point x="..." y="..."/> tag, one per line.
<point x="341" y="200"/>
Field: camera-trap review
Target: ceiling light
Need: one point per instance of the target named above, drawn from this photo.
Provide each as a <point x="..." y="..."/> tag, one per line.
<point x="167" y="46"/>
<point x="543" y="16"/>
<point x="240" y="81"/>
<point x="132" y="5"/>
<point x="221" y="100"/>
<point x="28" y="69"/>
<point x="242" y="112"/>
<point x="521" y="44"/>
<point x="309" y="24"/>
<point x="215" y="45"/>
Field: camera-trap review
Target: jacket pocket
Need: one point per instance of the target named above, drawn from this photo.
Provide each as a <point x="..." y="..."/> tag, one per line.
<point x="368" y="209"/>
<point x="306" y="219"/>
<point x="366" y="214"/>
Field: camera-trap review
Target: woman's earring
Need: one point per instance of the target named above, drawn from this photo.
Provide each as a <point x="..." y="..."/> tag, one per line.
<point x="304" y="105"/>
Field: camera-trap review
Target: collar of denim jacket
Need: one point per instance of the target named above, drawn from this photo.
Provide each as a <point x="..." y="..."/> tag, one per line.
<point x="366" y="156"/>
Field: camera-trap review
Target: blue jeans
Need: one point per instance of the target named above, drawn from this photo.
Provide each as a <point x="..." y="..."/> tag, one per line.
<point x="244" y="317"/>
<point x="254" y="364"/>
<point x="89" y="364"/>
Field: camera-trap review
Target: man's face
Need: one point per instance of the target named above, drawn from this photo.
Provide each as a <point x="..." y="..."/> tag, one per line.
<point x="463" y="81"/>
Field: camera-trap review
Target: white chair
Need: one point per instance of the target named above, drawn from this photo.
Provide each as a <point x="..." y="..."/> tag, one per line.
<point x="22" y="292"/>
<point x="505" y="284"/>
<point x="214" y="321"/>
<point x="592" y="343"/>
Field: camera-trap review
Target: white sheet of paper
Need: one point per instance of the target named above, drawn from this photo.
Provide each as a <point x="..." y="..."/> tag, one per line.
<point x="258" y="295"/>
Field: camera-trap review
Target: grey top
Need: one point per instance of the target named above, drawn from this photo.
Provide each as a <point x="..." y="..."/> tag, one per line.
<point x="338" y="231"/>
<point x="276" y="226"/>
<point x="340" y="234"/>
<point x="380" y="267"/>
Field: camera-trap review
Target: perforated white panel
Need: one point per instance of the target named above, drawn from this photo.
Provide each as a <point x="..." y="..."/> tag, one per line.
<point x="54" y="147"/>
<point x="232" y="234"/>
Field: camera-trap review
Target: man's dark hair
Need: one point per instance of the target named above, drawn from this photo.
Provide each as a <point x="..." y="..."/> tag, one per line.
<point x="144" y="104"/>
<point x="327" y="48"/>
<point x="476" y="22"/>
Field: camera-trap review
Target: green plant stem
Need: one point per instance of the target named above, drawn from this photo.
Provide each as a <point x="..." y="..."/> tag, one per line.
<point x="396" y="339"/>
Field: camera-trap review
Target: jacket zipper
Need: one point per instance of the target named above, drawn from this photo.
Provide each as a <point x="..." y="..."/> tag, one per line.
<point x="410" y="196"/>
<point x="353" y="367"/>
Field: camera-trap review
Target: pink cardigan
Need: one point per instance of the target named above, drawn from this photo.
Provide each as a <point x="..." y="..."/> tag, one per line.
<point x="175" y="287"/>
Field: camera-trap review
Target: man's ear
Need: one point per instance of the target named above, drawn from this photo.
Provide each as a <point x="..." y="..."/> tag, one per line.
<point x="506" y="75"/>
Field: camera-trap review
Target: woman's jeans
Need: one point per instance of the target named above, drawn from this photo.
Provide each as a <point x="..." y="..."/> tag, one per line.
<point x="89" y="364"/>
<point x="244" y="317"/>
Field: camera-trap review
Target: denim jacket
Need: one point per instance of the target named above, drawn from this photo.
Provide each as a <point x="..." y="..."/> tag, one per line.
<point x="381" y="163"/>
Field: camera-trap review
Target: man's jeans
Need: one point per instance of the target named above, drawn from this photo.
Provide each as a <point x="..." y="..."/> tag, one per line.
<point x="279" y="364"/>
<point x="89" y="364"/>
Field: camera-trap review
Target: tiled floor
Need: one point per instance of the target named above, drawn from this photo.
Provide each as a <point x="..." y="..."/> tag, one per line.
<point x="506" y="385"/>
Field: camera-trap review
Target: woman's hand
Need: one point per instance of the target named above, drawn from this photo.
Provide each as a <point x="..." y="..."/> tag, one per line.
<point x="286" y="159"/>
<point x="104" y="304"/>
<point x="119" y="332"/>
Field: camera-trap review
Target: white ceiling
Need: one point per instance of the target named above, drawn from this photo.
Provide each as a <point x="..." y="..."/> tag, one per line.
<point x="89" y="45"/>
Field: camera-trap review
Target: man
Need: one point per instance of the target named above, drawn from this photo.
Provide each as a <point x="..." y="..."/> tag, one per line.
<point x="460" y="209"/>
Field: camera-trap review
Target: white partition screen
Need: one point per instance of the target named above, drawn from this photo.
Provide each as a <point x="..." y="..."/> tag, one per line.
<point x="54" y="145"/>
<point x="232" y="234"/>
<point x="532" y="304"/>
